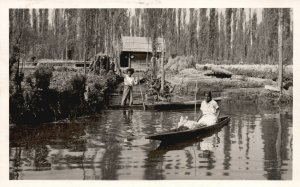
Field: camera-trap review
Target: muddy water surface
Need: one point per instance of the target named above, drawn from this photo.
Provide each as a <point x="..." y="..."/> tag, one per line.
<point x="257" y="144"/>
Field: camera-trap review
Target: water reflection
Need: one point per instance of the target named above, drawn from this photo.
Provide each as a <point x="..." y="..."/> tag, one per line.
<point x="257" y="144"/>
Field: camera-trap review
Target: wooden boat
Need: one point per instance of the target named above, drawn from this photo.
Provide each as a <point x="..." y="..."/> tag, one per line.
<point x="162" y="105"/>
<point x="174" y="135"/>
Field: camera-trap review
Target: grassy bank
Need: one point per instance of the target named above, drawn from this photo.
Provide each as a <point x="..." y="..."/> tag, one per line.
<point x="236" y="83"/>
<point x="263" y="71"/>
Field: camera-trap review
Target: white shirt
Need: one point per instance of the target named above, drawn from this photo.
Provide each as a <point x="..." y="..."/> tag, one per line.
<point x="209" y="108"/>
<point x="129" y="81"/>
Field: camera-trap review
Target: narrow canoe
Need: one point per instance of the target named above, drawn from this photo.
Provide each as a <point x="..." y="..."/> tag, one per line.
<point x="162" y="105"/>
<point x="174" y="135"/>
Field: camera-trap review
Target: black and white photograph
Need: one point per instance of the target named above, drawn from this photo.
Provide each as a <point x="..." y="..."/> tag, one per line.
<point x="150" y="93"/>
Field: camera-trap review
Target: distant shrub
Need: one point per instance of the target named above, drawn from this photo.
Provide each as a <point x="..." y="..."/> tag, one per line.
<point x="16" y="106"/>
<point x="95" y="93"/>
<point x="78" y="83"/>
<point x="41" y="106"/>
<point x="71" y="99"/>
<point x="42" y="76"/>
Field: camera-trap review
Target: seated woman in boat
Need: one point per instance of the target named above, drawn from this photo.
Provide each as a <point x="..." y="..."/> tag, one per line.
<point x="209" y="113"/>
<point x="129" y="82"/>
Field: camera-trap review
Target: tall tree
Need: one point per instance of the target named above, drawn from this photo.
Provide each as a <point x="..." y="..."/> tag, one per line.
<point x="240" y="37"/>
<point x="45" y="21"/>
<point x="192" y="32"/>
<point x="203" y="34"/>
<point x="212" y="32"/>
<point x="171" y="39"/>
<point x="222" y="37"/>
<point x="34" y="21"/>
<point x="216" y="44"/>
<point x="280" y="12"/>
<point x="228" y="15"/>
<point x="234" y="57"/>
<point x="271" y="23"/>
<point x="184" y="33"/>
<point x="41" y="14"/>
<point x="178" y="30"/>
<point x="254" y="26"/>
<point x="287" y="36"/>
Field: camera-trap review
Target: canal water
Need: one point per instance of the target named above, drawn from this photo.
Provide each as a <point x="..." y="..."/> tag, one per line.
<point x="257" y="144"/>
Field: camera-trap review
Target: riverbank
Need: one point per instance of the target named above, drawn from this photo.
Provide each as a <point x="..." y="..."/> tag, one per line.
<point x="51" y="94"/>
<point x="234" y="83"/>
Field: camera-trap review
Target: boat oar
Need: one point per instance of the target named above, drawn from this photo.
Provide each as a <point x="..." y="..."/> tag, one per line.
<point x="144" y="107"/>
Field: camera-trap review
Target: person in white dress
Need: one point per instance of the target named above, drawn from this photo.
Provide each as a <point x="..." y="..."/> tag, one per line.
<point x="209" y="111"/>
<point x="209" y="114"/>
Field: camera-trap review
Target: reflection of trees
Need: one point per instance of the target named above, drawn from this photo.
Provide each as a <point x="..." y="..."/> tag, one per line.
<point x="32" y="141"/>
<point x="275" y="135"/>
<point x="30" y="156"/>
<point x="153" y="165"/>
<point x="227" y="150"/>
<point x="154" y="159"/>
<point x="15" y="159"/>
<point x="110" y="160"/>
<point x="40" y="158"/>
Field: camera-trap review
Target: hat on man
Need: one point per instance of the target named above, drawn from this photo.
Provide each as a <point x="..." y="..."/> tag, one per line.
<point x="131" y="70"/>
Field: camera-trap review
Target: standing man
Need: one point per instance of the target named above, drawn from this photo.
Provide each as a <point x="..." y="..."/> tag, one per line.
<point x="129" y="82"/>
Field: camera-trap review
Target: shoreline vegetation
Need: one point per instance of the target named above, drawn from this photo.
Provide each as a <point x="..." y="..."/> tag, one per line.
<point x="51" y="94"/>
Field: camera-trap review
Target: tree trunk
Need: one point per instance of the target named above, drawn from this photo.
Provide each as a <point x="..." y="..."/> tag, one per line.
<point x="67" y="31"/>
<point x="280" y="50"/>
<point x="85" y="54"/>
<point x="147" y="51"/>
<point x="162" y="68"/>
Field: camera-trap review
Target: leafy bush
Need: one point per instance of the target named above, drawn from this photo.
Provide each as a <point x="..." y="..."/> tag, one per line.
<point x="71" y="100"/>
<point x="78" y="83"/>
<point x="16" y="106"/>
<point x="69" y="95"/>
<point x="43" y="76"/>
<point x="95" y="93"/>
<point x="41" y="106"/>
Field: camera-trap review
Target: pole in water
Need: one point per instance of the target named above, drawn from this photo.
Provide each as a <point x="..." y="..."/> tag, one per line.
<point x="144" y="107"/>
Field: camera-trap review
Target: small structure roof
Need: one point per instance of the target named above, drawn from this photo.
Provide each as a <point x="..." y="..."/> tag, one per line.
<point x="140" y="44"/>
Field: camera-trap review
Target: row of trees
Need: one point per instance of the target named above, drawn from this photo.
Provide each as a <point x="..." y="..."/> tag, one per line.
<point x="206" y="34"/>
